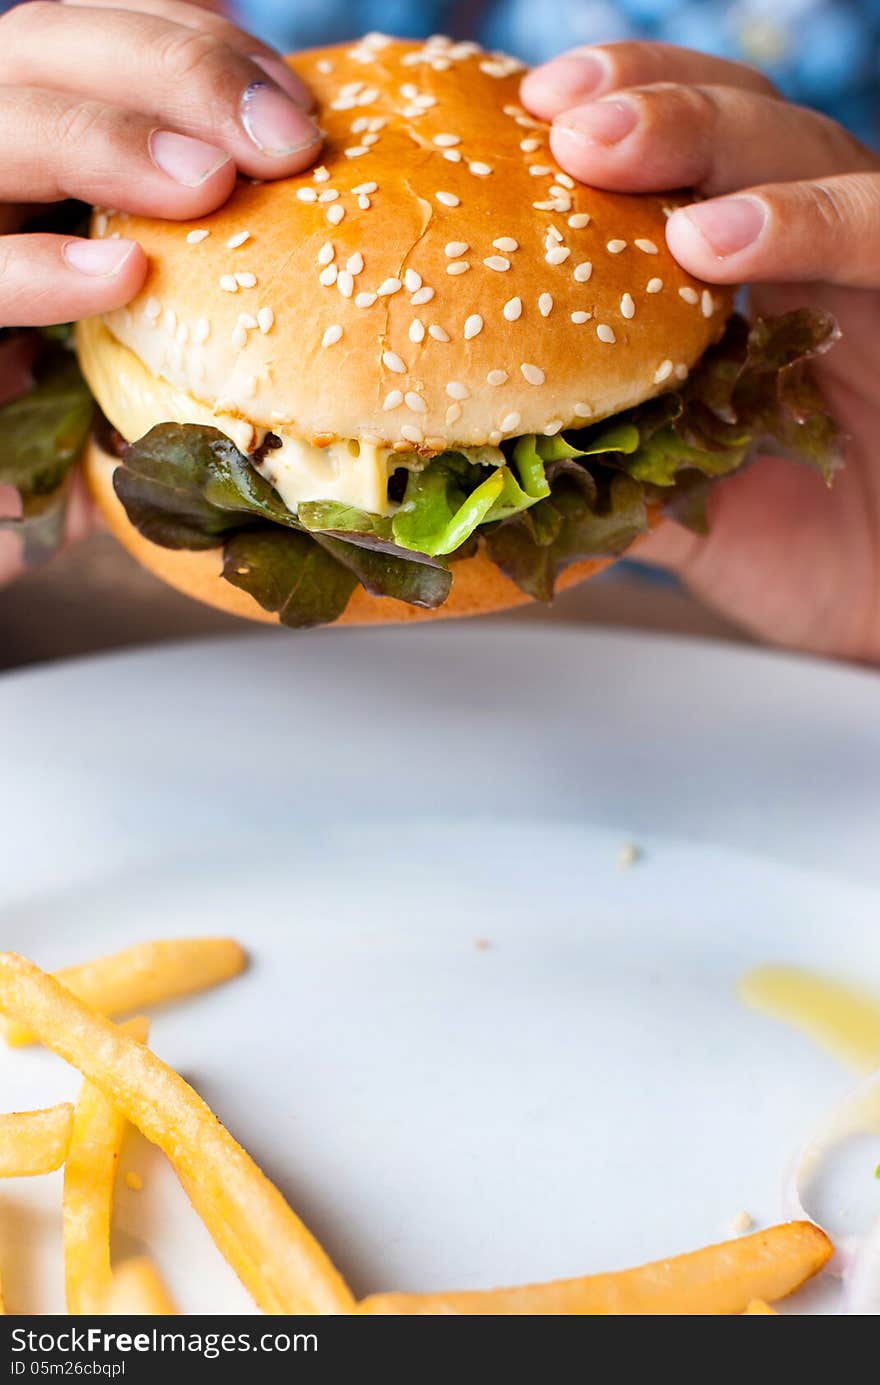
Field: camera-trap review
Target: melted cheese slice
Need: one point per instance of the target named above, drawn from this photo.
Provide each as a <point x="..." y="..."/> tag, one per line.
<point x="352" y="472"/>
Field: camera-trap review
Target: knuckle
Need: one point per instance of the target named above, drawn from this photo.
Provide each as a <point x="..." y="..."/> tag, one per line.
<point x="81" y="123"/>
<point x="188" y="55"/>
<point x="827" y="207"/>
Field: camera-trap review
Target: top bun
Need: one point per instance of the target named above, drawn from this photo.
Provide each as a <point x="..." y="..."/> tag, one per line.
<point x="435" y="281"/>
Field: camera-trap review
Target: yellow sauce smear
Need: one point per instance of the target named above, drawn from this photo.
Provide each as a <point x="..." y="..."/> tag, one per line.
<point x="842" y="1019"/>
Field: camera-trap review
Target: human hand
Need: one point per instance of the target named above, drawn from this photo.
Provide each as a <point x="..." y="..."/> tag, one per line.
<point x="793" y="209"/>
<point x="148" y="106"/>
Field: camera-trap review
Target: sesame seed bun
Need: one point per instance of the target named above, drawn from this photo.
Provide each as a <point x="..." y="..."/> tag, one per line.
<point x="445" y="334"/>
<point x="479" y="587"/>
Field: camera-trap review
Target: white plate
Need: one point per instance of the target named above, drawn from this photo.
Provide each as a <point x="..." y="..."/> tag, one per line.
<point x="360" y="809"/>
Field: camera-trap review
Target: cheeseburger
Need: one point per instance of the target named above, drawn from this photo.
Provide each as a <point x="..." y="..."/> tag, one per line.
<point x="430" y="376"/>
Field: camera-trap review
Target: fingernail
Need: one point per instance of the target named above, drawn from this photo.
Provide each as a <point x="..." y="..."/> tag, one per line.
<point x="97" y="258"/>
<point x="189" y="162"/>
<point x="728" y="224"/>
<point x="274" y="123"/>
<point x="601" y="122"/>
<point x="285" y="78"/>
<point x="565" y="81"/>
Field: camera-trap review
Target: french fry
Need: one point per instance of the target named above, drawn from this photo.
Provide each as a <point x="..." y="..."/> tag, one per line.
<point x="89" y="1178"/>
<point x="143" y="975"/>
<point x="720" y="1279"/>
<point x="33" y="1142"/>
<point x="757" y="1306"/>
<point x="136" y="1288"/>
<point x="275" y="1256"/>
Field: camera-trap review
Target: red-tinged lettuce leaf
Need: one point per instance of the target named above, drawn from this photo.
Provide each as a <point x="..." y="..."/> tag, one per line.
<point x="43" y="432"/>
<point x="289" y="574"/>
<point x="425" y="583"/>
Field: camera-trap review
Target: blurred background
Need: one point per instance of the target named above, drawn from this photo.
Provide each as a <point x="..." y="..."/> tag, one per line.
<point x="823" y="53"/>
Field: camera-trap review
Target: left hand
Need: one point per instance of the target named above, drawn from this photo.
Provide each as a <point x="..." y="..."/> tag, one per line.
<point x="794" y="207"/>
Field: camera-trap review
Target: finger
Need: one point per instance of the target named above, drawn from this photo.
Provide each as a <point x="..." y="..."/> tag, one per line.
<point x="586" y="73"/>
<point x="53" y="146"/>
<point x="185" y="79"/>
<point x="707" y="137"/>
<point x="45" y="279"/>
<point x="195" y="17"/>
<point x="824" y="230"/>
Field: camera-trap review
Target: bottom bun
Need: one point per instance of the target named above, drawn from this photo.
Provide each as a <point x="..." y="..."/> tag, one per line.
<point x="478" y="586"/>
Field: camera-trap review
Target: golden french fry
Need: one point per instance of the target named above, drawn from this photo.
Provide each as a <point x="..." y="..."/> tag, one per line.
<point x="757" y="1306"/>
<point x="137" y="1288"/>
<point x="34" y="1142"/>
<point x="89" y="1178"/>
<point x="720" y="1279"/>
<point x="143" y="975"/>
<point x="274" y="1254"/>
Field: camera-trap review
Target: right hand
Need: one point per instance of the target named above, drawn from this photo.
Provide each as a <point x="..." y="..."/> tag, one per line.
<point x="147" y="106"/>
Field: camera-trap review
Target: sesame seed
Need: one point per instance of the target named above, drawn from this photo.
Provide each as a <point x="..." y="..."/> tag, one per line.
<point x="455" y="390"/>
<point x="480" y="170"/>
<point x="614" y="247"/>
<point x="246" y="320"/>
<point x="473" y="326"/>
<point x="321" y="175"/>
<point x="354" y="151"/>
<point x="688" y="294"/>
<point x="196" y="237"/>
<point x="497" y="262"/>
<point x="265" y="320"/>
<point x="335" y="213"/>
<point x="411" y="432"/>
<point x="456" y="248"/>
<point x="453" y="414"/>
<point x="565" y="180"/>
<point x="553" y="427"/>
<point x="545" y="304"/>
<point x="438" y="333"/>
<point x="332" y="335"/>
<point x="388" y="286"/>
<point x="512" y="309"/>
<point x="364" y="202"/>
<point x="646" y="246"/>
<point x="415" y="402"/>
<point x="458" y="267"/>
<point x="355" y="263"/>
<point x="532" y="374"/>
<point x="409" y="91"/>
<point x="392" y="361"/>
<point x="152" y="308"/>
<point x="345" y="283"/>
<point x="497" y="377"/>
<point x="583" y="411"/>
<point x="654" y="285"/>
<point x="370" y="140"/>
<point x="540" y="170"/>
<point x="365" y="300"/>
<point x="424" y="100"/>
<point x="412" y="280"/>
<point x="707" y="303"/>
<point x="239" y="337"/>
<point x="578" y="220"/>
<point x="235" y="241"/>
<point x="306" y="195"/>
<point x="366" y="188"/>
<point x="507" y="244"/>
<point x="393" y="400"/>
<point x="627" y="306"/>
<point x="446" y="141"/>
<point x="182" y="333"/>
<point x="663" y="372"/>
<point x="326" y="253"/>
<point x="560" y="193"/>
<point x="583" y="271"/>
<point x="228" y="283"/>
<point x="511" y="422"/>
<point x="681" y="371"/>
<point x="417" y="330"/>
<point x="328" y="195"/>
<point x="558" y="255"/>
<point x="201" y="330"/>
<point x="448" y="199"/>
<point x="606" y="333"/>
<point x="324" y="66"/>
<point x="580" y="317"/>
<point x="423" y="295"/>
<point x="328" y="275"/>
<point x="528" y="146"/>
<point x="246" y="280"/>
<point x="452" y="156"/>
<point x="546" y="206"/>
